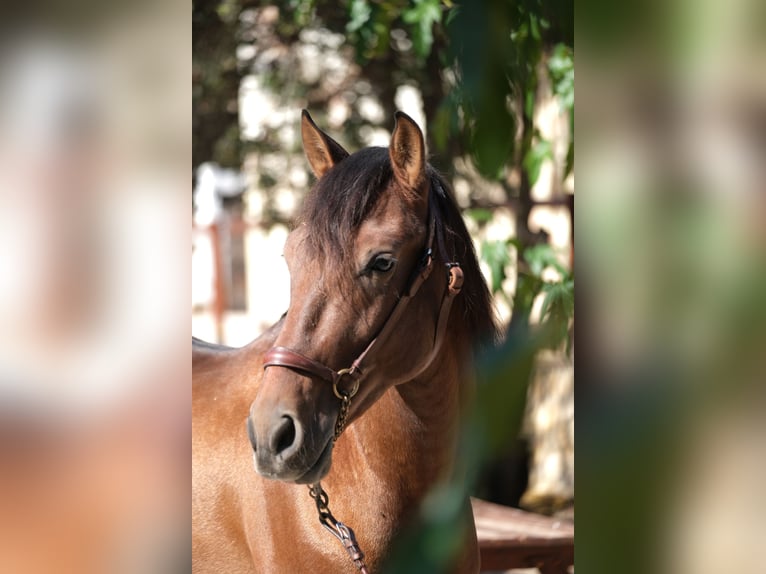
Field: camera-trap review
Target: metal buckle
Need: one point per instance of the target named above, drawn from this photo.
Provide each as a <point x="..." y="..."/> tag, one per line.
<point x="454" y="277"/>
<point x="340" y="394"/>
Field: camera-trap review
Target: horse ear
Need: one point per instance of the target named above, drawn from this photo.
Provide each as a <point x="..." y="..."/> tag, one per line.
<point x="407" y="152"/>
<point x="321" y="150"/>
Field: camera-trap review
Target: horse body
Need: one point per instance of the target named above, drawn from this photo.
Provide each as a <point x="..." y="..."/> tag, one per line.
<point x="244" y="523"/>
<point x="400" y="440"/>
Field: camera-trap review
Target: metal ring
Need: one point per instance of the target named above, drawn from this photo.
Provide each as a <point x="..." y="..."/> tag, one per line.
<point x="340" y="394"/>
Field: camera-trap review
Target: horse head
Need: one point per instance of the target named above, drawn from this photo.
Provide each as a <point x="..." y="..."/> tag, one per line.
<point x="361" y="247"/>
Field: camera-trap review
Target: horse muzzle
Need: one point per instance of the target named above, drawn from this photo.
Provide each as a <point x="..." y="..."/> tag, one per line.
<point x="282" y="449"/>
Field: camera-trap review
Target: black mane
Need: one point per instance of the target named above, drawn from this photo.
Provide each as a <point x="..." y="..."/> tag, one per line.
<point x="475" y="301"/>
<point x="342" y="199"/>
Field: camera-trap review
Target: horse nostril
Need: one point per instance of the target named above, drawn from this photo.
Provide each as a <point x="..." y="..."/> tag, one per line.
<point x="284" y="436"/>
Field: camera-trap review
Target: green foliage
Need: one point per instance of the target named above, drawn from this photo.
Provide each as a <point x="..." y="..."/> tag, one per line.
<point x="364" y="28"/>
<point x="498" y="48"/>
<point x="480" y="215"/>
<point x="482" y="48"/>
<point x="228" y="11"/>
<point x="302" y="11"/>
<point x="561" y="70"/>
<point x="359" y="12"/>
<point x="215" y="82"/>
<point x="370" y="24"/>
<point x="423" y="15"/>
<point x="443" y="125"/>
<point x="557" y="309"/>
<point x="533" y="160"/>
<point x="434" y="541"/>
<point x="497" y="255"/>
<point x="538" y="257"/>
<point x="432" y="544"/>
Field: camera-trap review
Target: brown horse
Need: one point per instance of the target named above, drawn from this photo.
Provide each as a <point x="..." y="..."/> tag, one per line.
<point x="371" y="341"/>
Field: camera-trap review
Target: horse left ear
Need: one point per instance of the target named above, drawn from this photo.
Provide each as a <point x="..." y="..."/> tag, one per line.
<point x="322" y="151"/>
<point x="407" y="152"/>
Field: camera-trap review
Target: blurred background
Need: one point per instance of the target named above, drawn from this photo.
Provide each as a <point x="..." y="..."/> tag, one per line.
<point x="256" y="65"/>
<point x="94" y="361"/>
<point x="671" y="451"/>
<point x="94" y="275"/>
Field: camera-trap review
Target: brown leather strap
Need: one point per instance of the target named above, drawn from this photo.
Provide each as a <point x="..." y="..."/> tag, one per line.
<point x="393" y="319"/>
<point x="454" y="285"/>
<point x="284" y="357"/>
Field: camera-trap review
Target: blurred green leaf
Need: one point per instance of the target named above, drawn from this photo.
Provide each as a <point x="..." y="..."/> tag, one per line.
<point x="359" y="13"/>
<point x="534" y="27"/>
<point x="302" y="11"/>
<point x="527" y="288"/>
<point x="441" y="126"/>
<point x="538" y="257"/>
<point x="434" y="541"/>
<point x="501" y="392"/>
<point x="479" y="214"/>
<point x="431" y="545"/>
<point x="452" y="12"/>
<point x="559" y="299"/>
<point x="529" y="103"/>
<point x="570" y="159"/>
<point x="424" y="14"/>
<point x="497" y="256"/>
<point x="535" y="157"/>
<point x="561" y="71"/>
<point x="493" y="140"/>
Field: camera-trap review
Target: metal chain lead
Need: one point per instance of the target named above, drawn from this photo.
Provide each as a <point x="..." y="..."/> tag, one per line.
<point x="340" y="423"/>
<point x="342" y="532"/>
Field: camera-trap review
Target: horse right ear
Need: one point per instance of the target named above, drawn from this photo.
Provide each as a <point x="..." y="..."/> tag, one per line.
<point x="407" y="152"/>
<point x="321" y="150"/>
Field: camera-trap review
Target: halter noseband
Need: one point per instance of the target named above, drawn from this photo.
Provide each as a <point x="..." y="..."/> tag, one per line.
<point x="284" y="357"/>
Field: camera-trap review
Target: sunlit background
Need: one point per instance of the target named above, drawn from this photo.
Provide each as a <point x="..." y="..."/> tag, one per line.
<point x="94" y="214"/>
<point x="94" y="230"/>
<point x="671" y="451"/>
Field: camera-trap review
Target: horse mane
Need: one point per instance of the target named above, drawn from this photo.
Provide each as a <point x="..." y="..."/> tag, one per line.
<point x="342" y="199"/>
<point x="475" y="300"/>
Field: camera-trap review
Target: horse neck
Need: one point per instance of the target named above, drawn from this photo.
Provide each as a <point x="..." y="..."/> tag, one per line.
<point x="408" y="436"/>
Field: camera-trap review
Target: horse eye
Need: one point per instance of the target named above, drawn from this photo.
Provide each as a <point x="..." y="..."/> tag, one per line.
<point x="382" y="264"/>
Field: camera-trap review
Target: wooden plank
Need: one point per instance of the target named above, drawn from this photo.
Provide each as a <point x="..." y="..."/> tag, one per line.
<point x="513" y="538"/>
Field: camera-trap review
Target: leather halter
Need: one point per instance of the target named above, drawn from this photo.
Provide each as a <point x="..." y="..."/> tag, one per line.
<point x="284" y="357"/>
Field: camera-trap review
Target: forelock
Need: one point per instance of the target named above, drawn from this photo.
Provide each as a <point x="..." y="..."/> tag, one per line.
<point x="341" y="200"/>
